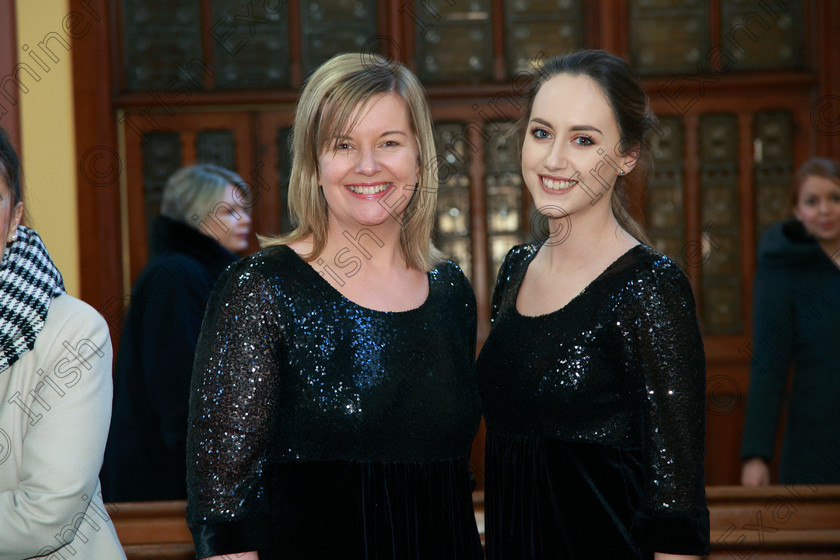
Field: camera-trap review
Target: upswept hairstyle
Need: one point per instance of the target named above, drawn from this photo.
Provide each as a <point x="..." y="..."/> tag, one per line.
<point x="629" y="103"/>
<point x="325" y="110"/>
<point x="814" y="167"/>
<point x="195" y="190"/>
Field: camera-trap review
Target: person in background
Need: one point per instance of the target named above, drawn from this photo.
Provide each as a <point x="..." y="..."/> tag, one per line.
<point x="593" y="374"/>
<point x="202" y="224"/>
<point x="55" y="399"/>
<point x="334" y="400"/>
<point x="796" y="322"/>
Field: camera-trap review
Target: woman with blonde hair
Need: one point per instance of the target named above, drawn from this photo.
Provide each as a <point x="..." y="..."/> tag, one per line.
<point x="333" y="398"/>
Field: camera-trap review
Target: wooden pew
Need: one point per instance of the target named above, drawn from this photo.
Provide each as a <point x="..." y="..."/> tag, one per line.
<point x="153" y="530"/>
<point x="773" y="523"/>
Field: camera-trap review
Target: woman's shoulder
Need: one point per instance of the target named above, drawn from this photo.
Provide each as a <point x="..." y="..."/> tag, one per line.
<point x="72" y="321"/>
<point x="449" y="272"/>
<point x="65" y="307"/>
<point x="275" y="266"/>
<point x="644" y="265"/>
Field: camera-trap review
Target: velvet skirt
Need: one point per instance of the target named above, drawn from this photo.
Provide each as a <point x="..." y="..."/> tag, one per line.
<point x="373" y="511"/>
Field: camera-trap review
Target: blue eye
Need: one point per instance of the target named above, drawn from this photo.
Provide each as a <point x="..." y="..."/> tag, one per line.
<point x="540" y="133"/>
<point x="583" y="140"/>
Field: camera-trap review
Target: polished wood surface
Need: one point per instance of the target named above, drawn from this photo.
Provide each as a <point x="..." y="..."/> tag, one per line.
<point x="764" y="523"/>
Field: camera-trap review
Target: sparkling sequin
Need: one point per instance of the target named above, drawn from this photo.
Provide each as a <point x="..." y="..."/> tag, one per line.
<point x="288" y="370"/>
<point x="615" y="376"/>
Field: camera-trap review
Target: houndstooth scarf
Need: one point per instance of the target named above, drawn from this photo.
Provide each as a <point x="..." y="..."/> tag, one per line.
<point x="28" y="282"/>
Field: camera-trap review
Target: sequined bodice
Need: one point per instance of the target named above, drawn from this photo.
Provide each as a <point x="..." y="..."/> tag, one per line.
<point x="595" y="416"/>
<point x="579" y="371"/>
<point x="289" y="370"/>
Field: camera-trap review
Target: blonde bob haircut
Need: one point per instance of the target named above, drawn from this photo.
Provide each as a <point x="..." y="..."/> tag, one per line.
<point x="324" y="112"/>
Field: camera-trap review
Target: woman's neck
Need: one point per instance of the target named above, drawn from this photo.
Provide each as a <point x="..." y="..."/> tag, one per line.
<point x="584" y="240"/>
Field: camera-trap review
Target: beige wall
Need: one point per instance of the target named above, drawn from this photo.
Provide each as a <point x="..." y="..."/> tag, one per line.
<point x="47" y="132"/>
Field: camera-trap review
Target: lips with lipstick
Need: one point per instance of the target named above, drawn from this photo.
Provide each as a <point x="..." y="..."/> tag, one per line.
<point x="368" y="190"/>
<point x="554" y="184"/>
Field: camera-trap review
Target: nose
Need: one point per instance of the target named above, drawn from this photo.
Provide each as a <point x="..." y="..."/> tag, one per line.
<point x="824" y="206"/>
<point x="367" y="163"/>
<point x="556" y="157"/>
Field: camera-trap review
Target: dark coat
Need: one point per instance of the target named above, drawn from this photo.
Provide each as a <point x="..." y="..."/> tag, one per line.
<point x="146" y="453"/>
<point x="796" y="322"/>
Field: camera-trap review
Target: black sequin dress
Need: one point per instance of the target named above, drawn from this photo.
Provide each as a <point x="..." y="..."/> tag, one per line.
<point x="595" y="417"/>
<point x="322" y="429"/>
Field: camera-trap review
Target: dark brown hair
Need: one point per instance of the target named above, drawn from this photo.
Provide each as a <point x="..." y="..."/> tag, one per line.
<point x="9" y="166"/>
<point x="629" y="103"/>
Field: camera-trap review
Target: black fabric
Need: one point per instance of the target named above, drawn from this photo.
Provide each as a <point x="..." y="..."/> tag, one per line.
<point x="146" y="452"/>
<point x="28" y="282"/>
<point x="595" y="417"/>
<point x="349" y="428"/>
<point x="796" y="322"/>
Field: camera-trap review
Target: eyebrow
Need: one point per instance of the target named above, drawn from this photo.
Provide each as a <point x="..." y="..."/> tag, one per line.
<point x="576" y="128"/>
<point x="386" y="133"/>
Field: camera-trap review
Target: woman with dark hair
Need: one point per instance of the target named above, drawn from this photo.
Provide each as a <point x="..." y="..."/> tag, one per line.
<point x="334" y="400"/>
<point x="202" y="225"/>
<point x="55" y="399"/>
<point x="593" y="374"/>
<point x="796" y="321"/>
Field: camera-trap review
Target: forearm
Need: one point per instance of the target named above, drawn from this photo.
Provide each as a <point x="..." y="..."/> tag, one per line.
<point x="236" y="556"/>
<point x="663" y="556"/>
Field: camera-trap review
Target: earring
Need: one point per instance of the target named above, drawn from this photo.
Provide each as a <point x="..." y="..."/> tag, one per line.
<point x="622" y="173"/>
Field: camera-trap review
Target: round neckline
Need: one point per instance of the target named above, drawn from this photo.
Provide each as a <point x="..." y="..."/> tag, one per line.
<point x="579" y="295"/>
<point x="345" y="299"/>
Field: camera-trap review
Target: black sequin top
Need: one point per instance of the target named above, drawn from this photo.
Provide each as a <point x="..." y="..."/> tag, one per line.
<point x="322" y="429"/>
<point x="595" y="417"/>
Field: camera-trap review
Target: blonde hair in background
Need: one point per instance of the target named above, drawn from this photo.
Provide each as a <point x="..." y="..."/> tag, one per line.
<point x="193" y="192"/>
<point x="325" y="110"/>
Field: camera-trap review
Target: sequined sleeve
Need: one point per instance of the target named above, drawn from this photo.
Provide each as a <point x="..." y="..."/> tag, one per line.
<point x="234" y="377"/>
<point x="514" y="256"/>
<point x="498" y="290"/>
<point x="667" y="346"/>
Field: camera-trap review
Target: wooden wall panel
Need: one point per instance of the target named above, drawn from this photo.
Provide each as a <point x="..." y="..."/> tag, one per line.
<point x="100" y="169"/>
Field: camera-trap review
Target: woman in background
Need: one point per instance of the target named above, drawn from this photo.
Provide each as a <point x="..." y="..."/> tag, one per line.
<point x="593" y="374"/>
<point x="796" y="321"/>
<point x="201" y="226"/>
<point x="333" y="400"/>
<point x="55" y="399"/>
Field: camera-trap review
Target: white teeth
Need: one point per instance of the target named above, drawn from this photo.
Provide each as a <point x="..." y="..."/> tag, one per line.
<point x="368" y="190"/>
<point x="558" y="185"/>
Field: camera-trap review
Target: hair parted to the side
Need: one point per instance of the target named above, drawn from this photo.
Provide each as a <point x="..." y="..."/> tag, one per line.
<point x="192" y="192"/>
<point x="814" y="167"/>
<point x="325" y="111"/>
<point x="629" y="103"/>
